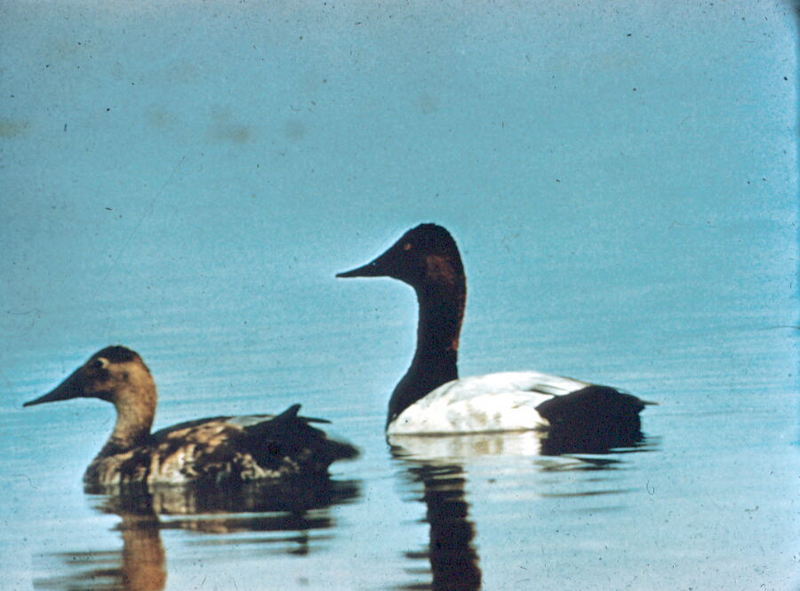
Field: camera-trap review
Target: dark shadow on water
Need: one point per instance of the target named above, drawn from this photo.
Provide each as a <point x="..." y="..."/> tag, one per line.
<point x="564" y="440"/>
<point x="298" y="512"/>
<point x="594" y="458"/>
<point x="450" y="559"/>
<point x="296" y="495"/>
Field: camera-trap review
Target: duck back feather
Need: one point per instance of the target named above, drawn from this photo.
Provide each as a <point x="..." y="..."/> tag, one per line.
<point x="222" y="450"/>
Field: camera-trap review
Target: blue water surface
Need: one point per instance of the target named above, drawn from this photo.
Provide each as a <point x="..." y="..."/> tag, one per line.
<point x="187" y="178"/>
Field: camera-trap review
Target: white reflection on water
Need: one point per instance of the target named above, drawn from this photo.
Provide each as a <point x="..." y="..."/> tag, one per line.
<point x="520" y="443"/>
<point x="465" y="446"/>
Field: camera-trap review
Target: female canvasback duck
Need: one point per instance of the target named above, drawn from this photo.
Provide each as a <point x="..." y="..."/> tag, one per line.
<point x="431" y="399"/>
<point x="215" y="450"/>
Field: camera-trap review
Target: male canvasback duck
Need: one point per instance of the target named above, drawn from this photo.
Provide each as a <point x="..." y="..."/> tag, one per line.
<point x="431" y="399"/>
<point x="214" y="451"/>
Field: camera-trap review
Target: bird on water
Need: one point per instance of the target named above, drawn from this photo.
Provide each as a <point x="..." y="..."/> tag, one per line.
<point x="432" y="399"/>
<point x="216" y="451"/>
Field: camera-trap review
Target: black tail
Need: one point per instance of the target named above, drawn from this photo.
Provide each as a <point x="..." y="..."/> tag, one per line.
<point x="289" y="438"/>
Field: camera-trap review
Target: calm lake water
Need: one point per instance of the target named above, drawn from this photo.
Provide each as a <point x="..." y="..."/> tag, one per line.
<point x="186" y="180"/>
<point x="705" y="502"/>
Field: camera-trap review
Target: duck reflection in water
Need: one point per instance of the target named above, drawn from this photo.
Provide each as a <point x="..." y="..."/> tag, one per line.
<point x="441" y="464"/>
<point x="288" y="518"/>
<point x="452" y="556"/>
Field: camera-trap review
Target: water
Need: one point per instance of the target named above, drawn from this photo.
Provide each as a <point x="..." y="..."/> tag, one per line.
<point x="188" y="181"/>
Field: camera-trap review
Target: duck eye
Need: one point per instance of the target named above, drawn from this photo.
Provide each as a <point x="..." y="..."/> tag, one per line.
<point x="100" y="363"/>
<point x="408" y="246"/>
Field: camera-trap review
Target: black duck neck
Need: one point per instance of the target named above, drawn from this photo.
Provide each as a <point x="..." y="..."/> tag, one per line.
<point x="441" y="313"/>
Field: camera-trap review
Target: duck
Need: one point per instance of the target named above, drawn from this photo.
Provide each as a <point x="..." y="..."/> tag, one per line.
<point x="212" y="451"/>
<point x="431" y="398"/>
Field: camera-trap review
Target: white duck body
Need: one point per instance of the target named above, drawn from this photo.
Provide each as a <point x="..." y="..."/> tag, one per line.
<point x="496" y="402"/>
